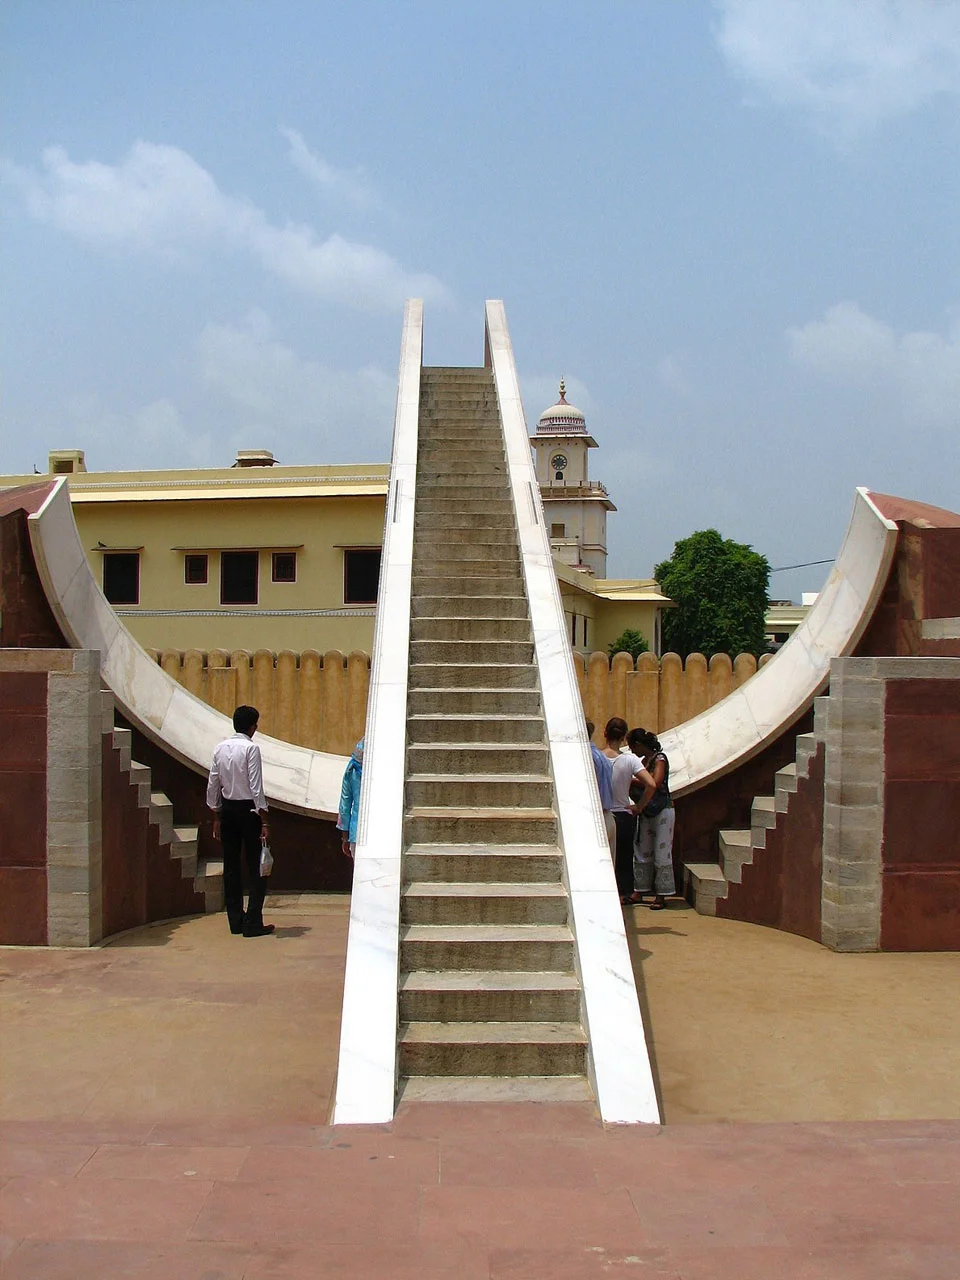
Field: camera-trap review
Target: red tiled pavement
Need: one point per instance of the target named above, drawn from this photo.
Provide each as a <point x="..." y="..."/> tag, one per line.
<point x="481" y="1193"/>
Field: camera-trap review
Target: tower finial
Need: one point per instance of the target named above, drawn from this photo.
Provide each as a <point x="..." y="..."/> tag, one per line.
<point x="563" y="391"/>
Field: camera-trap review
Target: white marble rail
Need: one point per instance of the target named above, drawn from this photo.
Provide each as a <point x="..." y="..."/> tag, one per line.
<point x="367" y="1073"/>
<point x="618" y="1060"/>
<point x="294" y="778"/>
<point x="720" y="739"/>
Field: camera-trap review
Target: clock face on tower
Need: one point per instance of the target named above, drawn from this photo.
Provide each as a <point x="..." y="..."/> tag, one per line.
<point x="558" y="462"/>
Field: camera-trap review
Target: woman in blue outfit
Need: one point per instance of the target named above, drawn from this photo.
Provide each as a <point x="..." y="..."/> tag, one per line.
<point x="350" y="801"/>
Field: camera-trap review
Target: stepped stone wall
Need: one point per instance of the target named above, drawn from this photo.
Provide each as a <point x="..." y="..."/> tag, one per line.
<point x="320" y="700"/>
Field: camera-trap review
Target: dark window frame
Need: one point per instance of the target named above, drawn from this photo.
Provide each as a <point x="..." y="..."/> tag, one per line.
<point x="357" y="596"/>
<point x="248" y="555"/>
<point x="197" y="557"/>
<point x="283" y="555"/>
<point x="110" y="563"/>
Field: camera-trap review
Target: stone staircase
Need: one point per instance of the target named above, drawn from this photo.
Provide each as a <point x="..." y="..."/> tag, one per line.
<point x="206" y="873"/>
<point x="489" y="1000"/>
<point x="705" y="883"/>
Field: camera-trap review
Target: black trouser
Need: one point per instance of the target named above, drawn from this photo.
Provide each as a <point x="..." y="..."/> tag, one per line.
<point x="240" y="828"/>
<point x="623" y="863"/>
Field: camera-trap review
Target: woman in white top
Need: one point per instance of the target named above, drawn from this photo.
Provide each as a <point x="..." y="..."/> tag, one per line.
<point x="627" y="768"/>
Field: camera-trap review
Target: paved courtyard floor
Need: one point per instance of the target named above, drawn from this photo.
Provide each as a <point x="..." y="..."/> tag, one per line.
<point x="165" y="1098"/>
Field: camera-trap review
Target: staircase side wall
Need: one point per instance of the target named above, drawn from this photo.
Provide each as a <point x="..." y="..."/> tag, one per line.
<point x="306" y="850"/>
<point x="781" y="888"/>
<point x="726" y="802"/>
<point x="142" y="878"/>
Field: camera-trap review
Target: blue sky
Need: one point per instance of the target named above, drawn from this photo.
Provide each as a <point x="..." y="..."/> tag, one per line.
<point x="732" y="226"/>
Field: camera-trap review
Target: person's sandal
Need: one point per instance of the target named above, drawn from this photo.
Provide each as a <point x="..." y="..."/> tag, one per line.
<point x="636" y="899"/>
<point x="657" y="904"/>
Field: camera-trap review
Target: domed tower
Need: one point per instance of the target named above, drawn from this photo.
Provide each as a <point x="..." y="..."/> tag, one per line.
<point x="575" y="506"/>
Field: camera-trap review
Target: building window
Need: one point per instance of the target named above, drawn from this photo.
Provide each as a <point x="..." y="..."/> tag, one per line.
<point x="121" y="577"/>
<point x="558" y="531"/>
<point x="361" y="576"/>
<point x="573" y="632"/>
<point x="284" y="566"/>
<point x="584" y="633"/>
<point x="195" y="571"/>
<point x="239" y="575"/>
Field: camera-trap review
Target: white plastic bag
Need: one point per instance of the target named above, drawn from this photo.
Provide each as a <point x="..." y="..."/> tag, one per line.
<point x="266" y="860"/>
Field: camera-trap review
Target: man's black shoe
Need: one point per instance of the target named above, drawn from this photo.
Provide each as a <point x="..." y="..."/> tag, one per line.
<point x="236" y="926"/>
<point x="258" y="931"/>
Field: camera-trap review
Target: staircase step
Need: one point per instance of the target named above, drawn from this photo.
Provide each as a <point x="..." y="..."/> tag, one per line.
<point x="492" y="1048"/>
<point x="183" y="846"/>
<point x="161" y="815"/>
<point x="209" y="882"/>
<point x="807" y="744"/>
<point x="475" y="825"/>
<point x="785" y="785"/>
<point x="736" y="851"/>
<point x="429" y="480"/>
<point x="478" y="791"/>
<point x="538" y="947"/>
<point x="487" y="652"/>
<point x="141" y="778"/>
<point x="123" y="742"/>
<point x="483" y="863"/>
<point x="704" y="883"/>
<point x="469" y="995"/>
<point x="501" y="576"/>
<point x="507" y="605"/>
<point x="495" y="731"/>
<point x="486" y="758"/>
<point x="437" y="541"/>
<point x="471" y="629"/>
<point x="472" y="675"/>
<point x="495" y="1089"/>
<point x="433" y="902"/>
<point x="465" y="505"/>
<point x="473" y="701"/>
<point x="763" y="818"/>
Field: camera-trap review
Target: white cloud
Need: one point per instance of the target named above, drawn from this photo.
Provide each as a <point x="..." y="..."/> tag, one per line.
<point x="151" y="435"/>
<point x="920" y="370"/>
<point x="350" y="185"/>
<point x="849" y="63"/>
<point x="158" y="198"/>
<point x="293" y="405"/>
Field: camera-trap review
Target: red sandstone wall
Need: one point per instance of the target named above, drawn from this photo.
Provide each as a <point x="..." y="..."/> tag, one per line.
<point x="781" y="888"/>
<point x="23" y="808"/>
<point x="920" y="905"/>
<point x="26" y="621"/>
<point x="924" y="582"/>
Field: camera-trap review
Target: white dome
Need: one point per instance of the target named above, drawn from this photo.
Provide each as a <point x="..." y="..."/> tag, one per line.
<point x="566" y="417"/>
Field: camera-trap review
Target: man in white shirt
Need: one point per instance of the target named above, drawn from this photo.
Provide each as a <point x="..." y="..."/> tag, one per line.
<point x="235" y="794"/>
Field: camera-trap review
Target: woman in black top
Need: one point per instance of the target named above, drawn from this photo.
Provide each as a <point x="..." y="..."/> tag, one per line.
<point x="653" y="860"/>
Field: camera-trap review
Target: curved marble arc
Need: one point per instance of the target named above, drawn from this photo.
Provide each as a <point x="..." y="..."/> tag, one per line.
<point x="295" y="778"/>
<point x="718" y="740"/>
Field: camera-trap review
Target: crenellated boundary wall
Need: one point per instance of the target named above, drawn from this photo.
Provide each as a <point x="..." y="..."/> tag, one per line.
<point x="319" y="700"/>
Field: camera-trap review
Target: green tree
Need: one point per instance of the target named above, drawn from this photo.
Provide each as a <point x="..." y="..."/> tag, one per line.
<point x="628" y="641"/>
<point x="720" y="589"/>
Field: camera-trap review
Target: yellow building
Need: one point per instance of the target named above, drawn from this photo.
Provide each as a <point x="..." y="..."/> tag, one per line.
<point x="259" y="555"/>
<point x="250" y="556"/>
